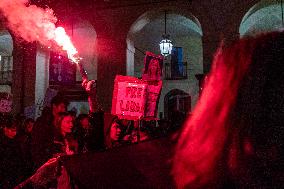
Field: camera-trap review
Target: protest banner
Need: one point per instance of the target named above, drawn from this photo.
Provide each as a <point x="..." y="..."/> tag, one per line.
<point x="134" y="98"/>
<point x="153" y="66"/>
<point x="129" y="96"/>
<point x="152" y="99"/>
<point x="152" y="75"/>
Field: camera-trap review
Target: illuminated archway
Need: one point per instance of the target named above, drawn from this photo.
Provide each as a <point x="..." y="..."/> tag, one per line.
<point x="146" y="32"/>
<point x="176" y="101"/>
<point x="264" y="16"/>
<point x="185" y="31"/>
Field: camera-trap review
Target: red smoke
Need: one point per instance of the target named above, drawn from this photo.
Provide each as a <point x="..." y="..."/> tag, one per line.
<point x="29" y="22"/>
<point x="33" y="23"/>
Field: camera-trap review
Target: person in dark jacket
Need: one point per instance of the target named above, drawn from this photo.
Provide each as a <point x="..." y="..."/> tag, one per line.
<point x="84" y="132"/>
<point x="11" y="162"/>
<point x="47" y="135"/>
<point x="25" y="140"/>
<point x="64" y="142"/>
<point x="119" y="132"/>
<point x="44" y="130"/>
<point x="96" y="116"/>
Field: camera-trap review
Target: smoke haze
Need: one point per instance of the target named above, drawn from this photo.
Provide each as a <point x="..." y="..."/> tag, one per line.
<point x="30" y="22"/>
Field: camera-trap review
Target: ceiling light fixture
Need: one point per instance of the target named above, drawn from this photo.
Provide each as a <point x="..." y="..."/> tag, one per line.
<point x="166" y="44"/>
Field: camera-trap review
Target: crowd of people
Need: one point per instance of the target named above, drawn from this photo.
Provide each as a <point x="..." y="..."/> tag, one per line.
<point x="27" y="144"/>
<point x="15" y="141"/>
<point x="233" y="139"/>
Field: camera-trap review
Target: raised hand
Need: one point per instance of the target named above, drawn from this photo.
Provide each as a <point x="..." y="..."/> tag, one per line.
<point x="90" y="88"/>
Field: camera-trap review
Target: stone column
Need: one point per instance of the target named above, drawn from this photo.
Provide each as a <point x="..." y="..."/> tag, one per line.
<point x="210" y="45"/>
<point x="111" y="62"/>
<point x="23" y="86"/>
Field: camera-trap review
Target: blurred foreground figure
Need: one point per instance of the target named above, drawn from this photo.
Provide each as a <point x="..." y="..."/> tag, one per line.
<point x="234" y="138"/>
<point x="11" y="161"/>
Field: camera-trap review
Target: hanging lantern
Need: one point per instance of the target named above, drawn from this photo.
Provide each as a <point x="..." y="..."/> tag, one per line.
<point x="166" y="46"/>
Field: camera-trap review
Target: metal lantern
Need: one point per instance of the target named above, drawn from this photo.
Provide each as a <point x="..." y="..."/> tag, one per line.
<point x="166" y="44"/>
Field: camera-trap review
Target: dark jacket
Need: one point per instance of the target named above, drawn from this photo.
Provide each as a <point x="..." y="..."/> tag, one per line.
<point x="61" y="142"/>
<point x="143" y="165"/>
<point x="25" y="143"/>
<point x="91" y="139"/>
<point x="97" y="122"/>
<point x="11" y="162"/>
<point x="42" y="139"/>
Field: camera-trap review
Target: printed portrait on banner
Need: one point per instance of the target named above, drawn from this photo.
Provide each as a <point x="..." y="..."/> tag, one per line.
<point x="152" y="74"/>
<point x="153" y="66"/>
<point x="152" y="99"/>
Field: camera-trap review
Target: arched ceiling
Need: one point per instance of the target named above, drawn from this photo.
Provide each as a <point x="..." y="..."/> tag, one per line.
<point x="263" y="17"/>
<point x="146" y="34"/>
<point x="150" y="27"/>
<point x="177" y="25"/>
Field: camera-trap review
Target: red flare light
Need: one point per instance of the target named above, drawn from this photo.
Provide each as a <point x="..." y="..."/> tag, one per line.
<point x="64" y="41"/>
<point x="33" y="23"/>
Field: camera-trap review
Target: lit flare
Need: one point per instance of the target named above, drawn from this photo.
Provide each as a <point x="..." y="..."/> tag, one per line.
<point x="64" y="41"/>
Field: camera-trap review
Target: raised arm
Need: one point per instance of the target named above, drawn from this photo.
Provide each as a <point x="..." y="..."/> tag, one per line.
<point x="90" y="88"/>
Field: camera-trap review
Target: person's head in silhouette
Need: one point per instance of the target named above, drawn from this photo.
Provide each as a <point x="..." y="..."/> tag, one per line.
<point x="234" y="137"/>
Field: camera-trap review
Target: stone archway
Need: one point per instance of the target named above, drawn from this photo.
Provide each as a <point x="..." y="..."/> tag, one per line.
<point x="146" y="32"/>
<point x="176" y="101"/>
<point x="185" y="31"/>
<point x="264" y="16"/>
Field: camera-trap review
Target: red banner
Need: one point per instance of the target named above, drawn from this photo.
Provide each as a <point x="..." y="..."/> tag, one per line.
<point x="152" y="99"/>
<point x="153" y="66"/>
<point x="129" y="97"/>
<point x="152" y="74"/>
